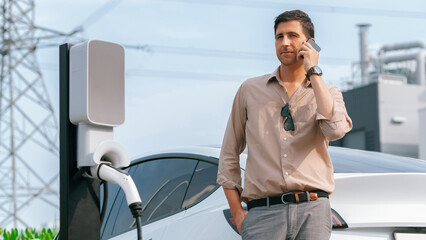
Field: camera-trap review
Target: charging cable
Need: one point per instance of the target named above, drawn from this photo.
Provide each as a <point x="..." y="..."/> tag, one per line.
<point x="106" y="172"/>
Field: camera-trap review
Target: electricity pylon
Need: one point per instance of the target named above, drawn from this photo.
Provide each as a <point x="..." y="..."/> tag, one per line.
<point x="28" y="126"/>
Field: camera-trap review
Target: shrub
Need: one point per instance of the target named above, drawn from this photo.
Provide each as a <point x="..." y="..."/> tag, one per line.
<point x="29" y="233"/>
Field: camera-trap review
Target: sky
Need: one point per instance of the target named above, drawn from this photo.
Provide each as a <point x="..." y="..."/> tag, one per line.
<point x="179" y="90"/>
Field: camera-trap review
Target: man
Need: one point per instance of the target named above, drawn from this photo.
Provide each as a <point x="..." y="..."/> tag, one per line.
<point x="286" y="119"/>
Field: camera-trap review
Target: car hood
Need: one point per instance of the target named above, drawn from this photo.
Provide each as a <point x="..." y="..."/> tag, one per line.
<point x="381" y="200"/>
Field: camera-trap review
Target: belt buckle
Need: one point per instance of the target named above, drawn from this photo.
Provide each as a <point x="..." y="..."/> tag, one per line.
<point x="282" y="198"/>
<point x="296" y="196"/>
<point x="313" y="196"/>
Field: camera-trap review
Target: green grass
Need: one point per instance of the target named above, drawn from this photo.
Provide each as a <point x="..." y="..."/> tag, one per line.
<point x="29" y="233"/>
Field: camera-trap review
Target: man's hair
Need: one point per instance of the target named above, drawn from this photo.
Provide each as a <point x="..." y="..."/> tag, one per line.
<point x="298" y="15"/>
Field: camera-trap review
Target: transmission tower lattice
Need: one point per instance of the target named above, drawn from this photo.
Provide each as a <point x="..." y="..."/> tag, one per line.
<point x="28" y="126"/>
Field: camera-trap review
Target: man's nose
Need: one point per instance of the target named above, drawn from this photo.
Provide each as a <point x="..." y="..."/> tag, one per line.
<point x="285" y="41"/>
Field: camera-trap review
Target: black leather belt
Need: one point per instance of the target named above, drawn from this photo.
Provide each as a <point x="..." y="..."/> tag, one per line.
<point x="286" y="198"/>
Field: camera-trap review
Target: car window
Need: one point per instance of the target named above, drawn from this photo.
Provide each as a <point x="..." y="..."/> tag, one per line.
<point x="202" y="183"/>
<point x="162" y="185"/>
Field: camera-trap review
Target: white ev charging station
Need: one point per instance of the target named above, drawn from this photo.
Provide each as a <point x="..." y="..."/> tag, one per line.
<point x="92" y="99"/>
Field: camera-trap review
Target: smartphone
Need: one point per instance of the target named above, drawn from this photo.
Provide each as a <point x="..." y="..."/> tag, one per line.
<point x="314" y="45"/>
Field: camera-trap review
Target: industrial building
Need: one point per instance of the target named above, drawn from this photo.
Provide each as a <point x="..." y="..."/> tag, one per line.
<point x="388" y="106"/>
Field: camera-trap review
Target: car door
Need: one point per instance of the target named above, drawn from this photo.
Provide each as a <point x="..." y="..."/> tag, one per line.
<point x="192" y="226"/>
<point x="162" y="184"/>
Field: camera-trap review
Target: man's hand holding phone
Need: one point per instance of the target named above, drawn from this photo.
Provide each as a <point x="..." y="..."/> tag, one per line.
<point x="309" y="52"/>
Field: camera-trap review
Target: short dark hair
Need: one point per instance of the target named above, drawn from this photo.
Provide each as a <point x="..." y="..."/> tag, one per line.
<point x="298" y="15"/>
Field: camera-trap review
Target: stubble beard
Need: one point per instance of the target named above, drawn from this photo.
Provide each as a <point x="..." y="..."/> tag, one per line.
<point x="287" y="61"/>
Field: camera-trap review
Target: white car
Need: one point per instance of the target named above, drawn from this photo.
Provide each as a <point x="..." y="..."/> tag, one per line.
<point x="377" y="196"/>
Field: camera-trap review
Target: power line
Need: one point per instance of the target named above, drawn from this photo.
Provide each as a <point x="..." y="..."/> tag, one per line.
<point x="200" y="51"/>
<point x="312" y="8"/>
<point x="186" y="75"/>
<point x="221" y="53"/>
<point x="167" y="74"/>
<point x="100" y="12"/>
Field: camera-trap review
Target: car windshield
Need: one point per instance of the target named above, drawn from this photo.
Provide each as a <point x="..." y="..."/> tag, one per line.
<point x="356" y="161"/>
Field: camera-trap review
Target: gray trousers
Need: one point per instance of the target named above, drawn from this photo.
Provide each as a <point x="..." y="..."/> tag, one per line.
<point x="302" y="221"/>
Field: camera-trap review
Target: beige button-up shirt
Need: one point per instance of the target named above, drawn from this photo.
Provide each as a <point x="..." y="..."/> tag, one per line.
<point x="279" y="161"/>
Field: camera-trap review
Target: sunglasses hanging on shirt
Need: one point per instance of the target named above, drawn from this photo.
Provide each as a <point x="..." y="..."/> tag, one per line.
<point x="288" y="119"/>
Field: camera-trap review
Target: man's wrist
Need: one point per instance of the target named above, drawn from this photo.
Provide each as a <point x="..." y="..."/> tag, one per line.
<point x="314" y="77"/>
<point x="314" y="70"/>
<point x="235" y="210"/>
<point x="234" y="200"/>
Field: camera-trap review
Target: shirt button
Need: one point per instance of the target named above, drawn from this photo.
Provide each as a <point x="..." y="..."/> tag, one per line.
<point x="285" y="139"/>
<point x="286" y="173"/>
<point x="285" y="155"/>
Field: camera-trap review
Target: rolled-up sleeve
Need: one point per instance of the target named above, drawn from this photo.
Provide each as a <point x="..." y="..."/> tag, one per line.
<point x="340" y="123"/>
<point x="229" y="172"/>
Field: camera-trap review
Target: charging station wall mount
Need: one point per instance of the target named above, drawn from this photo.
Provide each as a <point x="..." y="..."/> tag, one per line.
<point x="97" y="83"/>
<point x="97" y="104"/>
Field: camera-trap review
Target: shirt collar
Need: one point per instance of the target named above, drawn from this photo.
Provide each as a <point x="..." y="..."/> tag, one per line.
<point x="275" y="76"/>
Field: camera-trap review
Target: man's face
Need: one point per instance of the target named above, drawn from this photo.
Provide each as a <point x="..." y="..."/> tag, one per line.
<point x="288" y="38"/>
